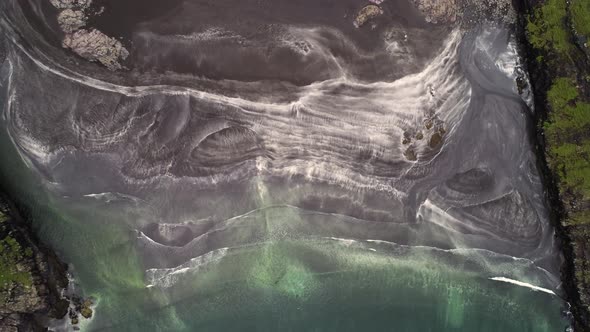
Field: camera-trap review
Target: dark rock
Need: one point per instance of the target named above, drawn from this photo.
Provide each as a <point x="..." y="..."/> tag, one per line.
<point x="86" y="312"/>
<point x="60" y="309"/>
<point x="407" y="138"/>
<point x="435" y="140"/>
<point x="25" y="306"/>
<point x="410" y="154"/>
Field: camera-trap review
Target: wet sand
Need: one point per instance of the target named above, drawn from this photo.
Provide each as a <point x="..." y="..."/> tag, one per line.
<point x="316" y="150"/>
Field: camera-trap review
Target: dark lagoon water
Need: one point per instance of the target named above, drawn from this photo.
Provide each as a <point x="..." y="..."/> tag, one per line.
<point x="266" y="166"/>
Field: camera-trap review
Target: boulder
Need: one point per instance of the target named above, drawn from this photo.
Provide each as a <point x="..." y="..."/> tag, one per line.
<point x="69" y="4"/>
<point x="71" y="20"/>
<point x="94" y="45"/>
<point x="366" y="14"/>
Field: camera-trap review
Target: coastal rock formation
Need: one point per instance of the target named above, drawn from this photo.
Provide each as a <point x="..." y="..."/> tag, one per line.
<point x="554" y="32"/>
<point x="94" y="45"/>
<point x="69" y="4"/>
<point x="91" y="44"/>
<point x="167" y="183"/>
<point x="367" y="13"/>
<point x="71" y="20"/>
<point x="438" y="11"/>
<point x="465" y="11"/>
<point x="32" y="278"/>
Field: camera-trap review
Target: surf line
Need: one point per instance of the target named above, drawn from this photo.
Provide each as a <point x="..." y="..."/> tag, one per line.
<point x="523" y="284"/>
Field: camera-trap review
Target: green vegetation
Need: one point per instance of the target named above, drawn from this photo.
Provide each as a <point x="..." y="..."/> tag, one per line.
<point x="580" y="218"/>
<point x="568" y="123"/>
<point x="567" y="129"/>
<point x="569" y="151"/>
<point x="11" y="254"/>
<point x="546" y="29"/>
<point x="581" y="16"/>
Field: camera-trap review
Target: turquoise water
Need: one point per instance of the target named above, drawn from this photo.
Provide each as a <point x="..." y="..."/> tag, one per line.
<point x="276" y="267"/>
<point x="312" y="284"/>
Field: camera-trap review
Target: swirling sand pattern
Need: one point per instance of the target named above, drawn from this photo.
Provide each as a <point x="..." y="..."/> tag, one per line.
<point x="430" y="149"/>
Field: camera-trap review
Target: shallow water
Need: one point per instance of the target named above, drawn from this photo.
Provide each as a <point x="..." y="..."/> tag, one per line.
<point x="257" y="174"/>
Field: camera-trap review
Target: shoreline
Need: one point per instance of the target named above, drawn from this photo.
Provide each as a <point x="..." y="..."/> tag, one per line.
<point x="541" y="79"/>
<point x="31" y="307"/>
<point x="540" y="83"/>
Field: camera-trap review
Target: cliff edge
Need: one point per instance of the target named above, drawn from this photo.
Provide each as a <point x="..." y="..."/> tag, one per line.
<point x="32" y="278"/>
<point x="555" y="36"/>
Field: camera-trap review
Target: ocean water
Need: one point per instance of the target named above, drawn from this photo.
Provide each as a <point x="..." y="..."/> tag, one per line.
<point x="284" y="171"/>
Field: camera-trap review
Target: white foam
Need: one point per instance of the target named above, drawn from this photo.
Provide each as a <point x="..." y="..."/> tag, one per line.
<point x="523" y="284"/>
<point x="167" y="277"/>
<point x="329" y="122"/>
<point x="113" y="196"/>
<point x="347" y="242"/>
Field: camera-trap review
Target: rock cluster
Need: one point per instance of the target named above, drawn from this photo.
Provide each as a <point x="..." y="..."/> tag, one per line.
<point x="79" y="307"/>
<point x="91" y="44"/>
<point x="438" y="11"/>
<point x="71" y="20"/>
<point x="94" y="45"/>
<point x="69" y="4"/>
<point x="433" y="130"/>
<point x="465" y="11"/>
<point x="22" y="300"/>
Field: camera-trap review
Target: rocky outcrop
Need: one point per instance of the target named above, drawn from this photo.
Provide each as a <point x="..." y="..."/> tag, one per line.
<point x="367" y="13"/>
<point x="438" y="11"/>
<point x="465" y="11"/>
<point x="91" y="44"/>
<point x="71" y="20"/>
<point x="69" y="4"/>
<point x="94" y="45"/>
<point x="33" y="278"/>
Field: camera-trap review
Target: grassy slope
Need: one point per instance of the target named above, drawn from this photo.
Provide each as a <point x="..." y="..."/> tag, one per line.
<point x="580" y="10"/>
<point x="11" y="256"/>
<point x="567" y="129"/>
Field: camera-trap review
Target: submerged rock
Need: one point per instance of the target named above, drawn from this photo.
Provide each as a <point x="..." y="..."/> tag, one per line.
<point x="80" y="307"/>
<point x="367" y="13"/>
<point x="437" y="138"/>
<point x="71" y="20"/>
<point x="94" y="45"/>
<point x="410" y="154"/>
<point x="86" y="312"/>
<point x="407" y="138"/>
